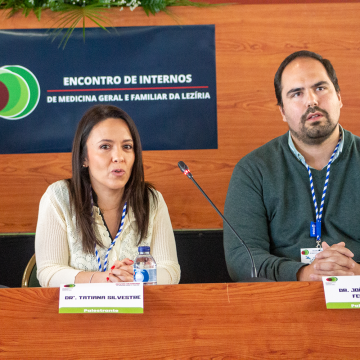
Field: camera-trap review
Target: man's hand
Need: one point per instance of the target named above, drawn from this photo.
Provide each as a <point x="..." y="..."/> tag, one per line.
<point x="335" y="260"/>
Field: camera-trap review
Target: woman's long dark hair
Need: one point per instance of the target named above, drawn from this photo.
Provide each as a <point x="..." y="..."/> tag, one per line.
<point x="136" y="192"/>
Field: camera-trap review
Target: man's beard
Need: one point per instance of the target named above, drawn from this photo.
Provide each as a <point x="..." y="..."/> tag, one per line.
<point x="315" y="133"/>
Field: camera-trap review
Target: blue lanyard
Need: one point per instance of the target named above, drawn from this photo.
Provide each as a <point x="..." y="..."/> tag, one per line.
<point x="113" y="243"/>
<point x="319" y="213"/>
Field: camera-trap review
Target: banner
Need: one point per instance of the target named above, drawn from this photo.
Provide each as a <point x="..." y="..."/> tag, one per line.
<point x="163" y="77"/>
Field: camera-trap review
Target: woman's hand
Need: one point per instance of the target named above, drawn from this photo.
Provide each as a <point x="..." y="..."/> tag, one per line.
<point x="91" y="277"/>
<point x="122" y="271"/>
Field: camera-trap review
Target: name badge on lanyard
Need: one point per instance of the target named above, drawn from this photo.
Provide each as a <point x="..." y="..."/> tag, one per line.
<point x="308" y="254"/>
<point x="315" y="227"/>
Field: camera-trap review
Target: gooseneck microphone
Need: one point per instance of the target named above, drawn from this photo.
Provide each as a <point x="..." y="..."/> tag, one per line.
<point x="185" y="170"/>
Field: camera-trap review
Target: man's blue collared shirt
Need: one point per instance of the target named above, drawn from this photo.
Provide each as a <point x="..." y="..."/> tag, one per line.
<point x="302" y="159"/>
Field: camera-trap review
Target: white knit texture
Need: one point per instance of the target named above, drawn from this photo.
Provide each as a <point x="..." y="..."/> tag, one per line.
<point x="58" y="248"/>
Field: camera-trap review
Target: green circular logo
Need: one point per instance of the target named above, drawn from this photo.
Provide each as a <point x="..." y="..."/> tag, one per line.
<point x="19" y="92"/>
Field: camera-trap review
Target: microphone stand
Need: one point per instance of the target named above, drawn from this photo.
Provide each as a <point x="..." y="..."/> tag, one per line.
<point x="254" y="277"/>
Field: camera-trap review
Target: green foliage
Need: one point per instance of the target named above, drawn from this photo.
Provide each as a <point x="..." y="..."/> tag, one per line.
<point x="72" y="12"/>
<point x="153" y="6"/>
<point x="71" y="15"/>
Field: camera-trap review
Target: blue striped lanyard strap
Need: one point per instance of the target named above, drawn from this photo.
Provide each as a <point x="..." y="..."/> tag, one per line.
<point x="319" y="213"/>
<point x="113" y="243"/>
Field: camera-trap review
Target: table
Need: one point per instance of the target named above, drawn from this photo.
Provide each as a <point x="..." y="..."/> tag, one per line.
<point x="287" y="320"/>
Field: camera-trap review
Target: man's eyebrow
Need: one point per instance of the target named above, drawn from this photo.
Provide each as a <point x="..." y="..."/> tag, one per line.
<point x="323" y="82"/>
<point x="320" y="83"/>
<point x="293" y="91"/>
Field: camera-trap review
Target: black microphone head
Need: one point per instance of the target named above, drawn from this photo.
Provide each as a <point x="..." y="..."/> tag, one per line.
<point x="183" y="167"/>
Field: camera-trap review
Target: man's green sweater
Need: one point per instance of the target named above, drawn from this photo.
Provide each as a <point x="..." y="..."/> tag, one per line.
<point x="270" y="206"/>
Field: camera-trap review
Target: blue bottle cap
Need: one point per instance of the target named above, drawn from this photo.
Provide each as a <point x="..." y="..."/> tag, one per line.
<point x="144" y="249"/>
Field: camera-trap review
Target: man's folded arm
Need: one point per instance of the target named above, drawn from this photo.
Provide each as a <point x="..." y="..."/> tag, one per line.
<point x="246" y="212"/>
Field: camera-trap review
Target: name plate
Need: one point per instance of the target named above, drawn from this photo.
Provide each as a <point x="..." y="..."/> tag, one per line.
<point x="342" y="292"/>
<point x="118" y="298"/>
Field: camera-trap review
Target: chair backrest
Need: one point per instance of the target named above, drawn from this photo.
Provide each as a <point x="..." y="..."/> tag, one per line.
<point x="15" y="246"/>
<point x="201" y="256"/>
<point x="200" y="253"/>
<point x="29" y="278"/>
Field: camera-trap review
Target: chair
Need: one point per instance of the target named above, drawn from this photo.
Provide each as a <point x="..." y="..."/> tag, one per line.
<point x="15" y="246"/>
<point x="201" y="256"/>
<point x="29" y="278"/>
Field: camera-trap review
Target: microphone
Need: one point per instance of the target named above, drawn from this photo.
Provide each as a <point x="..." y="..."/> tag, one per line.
<point x="254" y="278"/>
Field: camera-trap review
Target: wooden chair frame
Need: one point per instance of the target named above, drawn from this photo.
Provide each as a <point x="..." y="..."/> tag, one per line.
<point x="29" y="268"/>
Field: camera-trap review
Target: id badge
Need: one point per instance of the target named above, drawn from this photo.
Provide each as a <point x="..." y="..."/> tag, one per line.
<point x="308" y="254"/>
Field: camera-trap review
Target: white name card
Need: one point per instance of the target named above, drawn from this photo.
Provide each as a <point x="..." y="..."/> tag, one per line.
<point x="102" y="298"/>
<point x="342" y="292"/>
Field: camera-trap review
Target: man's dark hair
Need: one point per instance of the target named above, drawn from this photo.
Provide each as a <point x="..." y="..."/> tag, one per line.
<point x="303" y="54"/>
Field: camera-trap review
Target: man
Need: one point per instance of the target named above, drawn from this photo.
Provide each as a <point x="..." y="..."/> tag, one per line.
<point x="296" y="200"/>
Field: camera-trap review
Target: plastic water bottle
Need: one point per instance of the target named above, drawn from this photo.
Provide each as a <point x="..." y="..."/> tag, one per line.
<point x="145" y="267"/>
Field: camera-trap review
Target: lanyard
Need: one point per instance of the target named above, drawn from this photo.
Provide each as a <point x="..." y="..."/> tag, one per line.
<point x="319" y="213"/>
<point x="113" y="243"/>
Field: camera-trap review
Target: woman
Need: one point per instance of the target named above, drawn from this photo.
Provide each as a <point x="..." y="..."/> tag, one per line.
<point x="90" y="226"/>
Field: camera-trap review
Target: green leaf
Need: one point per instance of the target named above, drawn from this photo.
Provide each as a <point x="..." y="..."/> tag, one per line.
<point x="154" y="6"/>
<point x="74" y="11"/>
